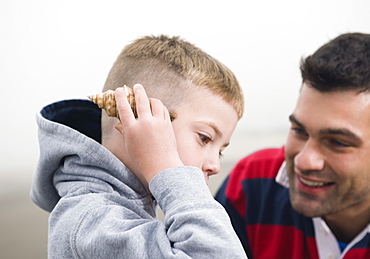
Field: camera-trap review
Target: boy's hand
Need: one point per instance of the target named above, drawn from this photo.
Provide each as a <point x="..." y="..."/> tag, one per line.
<point x="149" y="139"/>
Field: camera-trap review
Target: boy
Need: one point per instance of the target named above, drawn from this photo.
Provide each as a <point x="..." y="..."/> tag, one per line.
<point x="103" y="198"/>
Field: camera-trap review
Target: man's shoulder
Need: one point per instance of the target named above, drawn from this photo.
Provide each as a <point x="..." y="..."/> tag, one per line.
<point x="267" y="154"/>
<point x="263" y="163"/>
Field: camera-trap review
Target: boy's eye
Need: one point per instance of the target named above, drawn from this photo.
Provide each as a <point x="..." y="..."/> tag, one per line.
<point x="204" y="139"/>
<point x="220" y="154"/>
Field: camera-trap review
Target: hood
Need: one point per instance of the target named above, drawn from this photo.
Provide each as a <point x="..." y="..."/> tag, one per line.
<point x="71" y="156"/>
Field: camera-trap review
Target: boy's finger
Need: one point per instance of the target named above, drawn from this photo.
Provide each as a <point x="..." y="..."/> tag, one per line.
<point x="142" y="101"/>
<point x="167" y="115"/>
<point x="119" y="127"/>
<point x="157" y="107"/>
<point x="123" y="107"/>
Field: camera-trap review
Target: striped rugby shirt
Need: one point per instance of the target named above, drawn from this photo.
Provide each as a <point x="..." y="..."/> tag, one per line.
<point x="256" y="197"/>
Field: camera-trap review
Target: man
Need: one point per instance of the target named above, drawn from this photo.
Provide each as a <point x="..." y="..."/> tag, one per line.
<point x="311" y="198"/>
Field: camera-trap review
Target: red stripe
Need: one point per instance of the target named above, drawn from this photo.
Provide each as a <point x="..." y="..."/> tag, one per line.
<point x="270" y="241"/>
<point x="261" y="164"/>
<point x="236" y="196"/>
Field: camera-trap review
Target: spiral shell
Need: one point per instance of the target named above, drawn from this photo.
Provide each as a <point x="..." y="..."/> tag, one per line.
<point x="107" y="101"/>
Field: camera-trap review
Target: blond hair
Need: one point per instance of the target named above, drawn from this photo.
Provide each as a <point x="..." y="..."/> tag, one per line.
<point x="170" y="69"/>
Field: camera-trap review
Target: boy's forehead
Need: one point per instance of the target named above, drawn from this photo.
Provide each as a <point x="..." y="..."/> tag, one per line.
<point x="211" y="110"/>
<point x="199" y="94"/>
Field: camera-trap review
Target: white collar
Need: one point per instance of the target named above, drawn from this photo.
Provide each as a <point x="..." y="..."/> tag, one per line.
<point x="282" y="176"/>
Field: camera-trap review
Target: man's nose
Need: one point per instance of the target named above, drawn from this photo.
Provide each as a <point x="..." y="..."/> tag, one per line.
<point x="309" y="157"/>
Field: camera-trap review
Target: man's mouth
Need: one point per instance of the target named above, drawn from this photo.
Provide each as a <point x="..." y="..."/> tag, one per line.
<point x="314" y="184"/>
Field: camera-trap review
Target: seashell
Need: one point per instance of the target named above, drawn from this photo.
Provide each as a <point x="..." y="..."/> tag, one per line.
<point x="107" y="101"/>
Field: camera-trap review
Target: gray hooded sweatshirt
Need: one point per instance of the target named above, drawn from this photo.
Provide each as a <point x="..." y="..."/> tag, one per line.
<point x="99" y="209"/>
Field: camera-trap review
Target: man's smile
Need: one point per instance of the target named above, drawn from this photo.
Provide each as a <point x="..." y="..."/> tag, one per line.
<point x="313" y="184"/>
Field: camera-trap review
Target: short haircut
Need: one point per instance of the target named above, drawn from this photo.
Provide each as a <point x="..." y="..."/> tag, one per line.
<point x="340" y="65"/>
<point x="172" y="69"/>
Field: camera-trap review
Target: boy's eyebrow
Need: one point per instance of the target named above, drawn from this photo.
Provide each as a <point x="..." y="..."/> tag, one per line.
<point x="330" y="131"/>
<point x="216" y="129"/>
<point x="213" y="126"/>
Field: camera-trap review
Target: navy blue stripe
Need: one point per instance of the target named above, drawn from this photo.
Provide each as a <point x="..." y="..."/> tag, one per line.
<point x="236" y="220"/>
<point x="364" y="243"/>
<point x="268" y="204"/>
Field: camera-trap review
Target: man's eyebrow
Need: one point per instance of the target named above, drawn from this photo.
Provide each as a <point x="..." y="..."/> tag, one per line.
<point x="331" y="131"/>
<point x="294" y="120"/>
<point x="343" y="132"/>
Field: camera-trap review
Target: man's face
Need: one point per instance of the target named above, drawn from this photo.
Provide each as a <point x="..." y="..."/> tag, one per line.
<point x="328" y="153"/>
<point x="203" y="128"/>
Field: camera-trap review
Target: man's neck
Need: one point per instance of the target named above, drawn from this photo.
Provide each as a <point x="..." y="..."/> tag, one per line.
<point x="346" y="225"/>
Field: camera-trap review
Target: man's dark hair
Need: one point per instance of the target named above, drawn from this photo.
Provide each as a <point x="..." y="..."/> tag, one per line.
<point x="341" y="64"/>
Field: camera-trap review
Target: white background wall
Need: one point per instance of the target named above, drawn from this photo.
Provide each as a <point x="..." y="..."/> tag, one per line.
<point x="53" y="50"/>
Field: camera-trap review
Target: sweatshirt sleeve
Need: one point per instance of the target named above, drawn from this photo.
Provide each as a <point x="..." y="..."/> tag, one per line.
<point x="194" y="225"/>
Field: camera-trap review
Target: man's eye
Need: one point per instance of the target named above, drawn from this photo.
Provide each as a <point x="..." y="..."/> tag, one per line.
<point x="204" y="139"/>
<point x="299" y="131"/>
<point x="338" y="143"/>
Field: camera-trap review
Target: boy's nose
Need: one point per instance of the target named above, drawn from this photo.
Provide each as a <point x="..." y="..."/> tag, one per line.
<point x="212" y="165"/>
